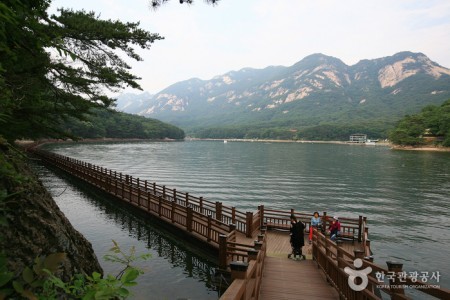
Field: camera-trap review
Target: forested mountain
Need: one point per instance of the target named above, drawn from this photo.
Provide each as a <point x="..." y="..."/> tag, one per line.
<point x="430" y="126"/>
<point x="318" y="94"/>
<point x="112" y="124"/>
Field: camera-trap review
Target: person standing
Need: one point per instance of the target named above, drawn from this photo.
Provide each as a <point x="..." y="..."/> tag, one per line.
<point x="297" y="238"/>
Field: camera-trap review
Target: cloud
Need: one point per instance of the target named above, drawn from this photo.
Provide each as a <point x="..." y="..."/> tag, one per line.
<point x="204" y="41"/>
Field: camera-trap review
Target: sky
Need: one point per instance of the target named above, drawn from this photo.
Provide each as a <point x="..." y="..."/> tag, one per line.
<point x="204" y="41"/>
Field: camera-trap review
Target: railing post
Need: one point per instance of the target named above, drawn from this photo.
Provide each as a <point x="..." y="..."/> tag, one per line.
<point x="189" y="219"/>
<point x="233" y="214"/>
<point x="164" y="191"/>
<point x="172" y="215"/>
<point x="145" y="185"/>
<point x="249" y="223"/>
<point x="360" y="221"/>
<point x="149" y="201"/>
<point x="139" y="197"/>
<point x="159" y="205"/>
<point x="154" y="188"/>
<point x="222" y="251"/>
<point x="201" y="205"/>
<point x="340" y="254"/>
<point x="324" y="220"/>
<point x="175" y="194"/>
<point x="358" y="253"/>
<point x="209" y="227"/>
<point x="219" y="211"/>
<point x="127" y="179"/>
<point x="232" y="227"/>
<point x="328" y="256"/>
<point x="260" y="237"/>
<point x="187" y="199"/>
<point x="257" y="245"/>
<point x="261" y="215"/>
<point x="369" y="257"/>
<point x="238" y="270"/>
<point x="396" y="286"/>
<point x="252" y="254"/>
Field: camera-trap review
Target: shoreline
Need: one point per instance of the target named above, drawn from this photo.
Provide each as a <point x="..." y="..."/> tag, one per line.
<point x="120" y="140"/>
<point x="382" y="144"/>
<point x="422" y="148"/>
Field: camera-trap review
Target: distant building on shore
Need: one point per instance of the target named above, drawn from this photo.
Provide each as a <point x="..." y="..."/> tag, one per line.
<point x="358" y="138"/>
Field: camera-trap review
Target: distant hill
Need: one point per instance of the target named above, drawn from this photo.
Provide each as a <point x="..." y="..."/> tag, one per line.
<point x="112" y="124"/>
<point x="319" y="91"/>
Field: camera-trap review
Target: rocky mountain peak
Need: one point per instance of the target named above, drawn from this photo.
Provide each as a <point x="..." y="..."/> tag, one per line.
<point x="406" y="65"/>
<point x="318" y="85"/>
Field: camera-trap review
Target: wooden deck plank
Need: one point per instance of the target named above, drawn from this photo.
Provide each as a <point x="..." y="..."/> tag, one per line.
<point x="284" y="278"/>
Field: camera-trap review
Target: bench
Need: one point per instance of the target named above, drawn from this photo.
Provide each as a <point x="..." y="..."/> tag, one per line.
<point x="279" y="226"/>
<point x="347" y="236"/>
<point x="282" y="226"/>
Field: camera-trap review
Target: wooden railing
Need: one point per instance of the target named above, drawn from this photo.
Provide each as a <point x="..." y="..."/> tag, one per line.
<point x="336" y="263"/>
<point x="148" y="197"/>
<point x="247" y="273"/>
<point x="217" y="225"/>
<point x="280" y="219"/>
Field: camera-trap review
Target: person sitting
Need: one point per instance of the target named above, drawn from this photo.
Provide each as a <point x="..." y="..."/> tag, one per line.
<point x="316" y="222"/>
<point x="335" y="228"/>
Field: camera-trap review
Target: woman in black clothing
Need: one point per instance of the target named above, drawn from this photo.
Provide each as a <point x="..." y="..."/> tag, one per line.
<point x="297" y="238"/>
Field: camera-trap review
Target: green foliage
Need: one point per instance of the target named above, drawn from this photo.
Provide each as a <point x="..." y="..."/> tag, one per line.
<point x="432" y="121"/>
<point x="270" y="100"/>
<point x="112" y="124"/>
<point x="327" y="131"/>
<point x="40" y="281"/>
<point x="5" y="275"/>
<point x="59" y="66"/>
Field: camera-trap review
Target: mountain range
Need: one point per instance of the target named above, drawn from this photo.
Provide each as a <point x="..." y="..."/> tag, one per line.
<point x="318" y="90"/>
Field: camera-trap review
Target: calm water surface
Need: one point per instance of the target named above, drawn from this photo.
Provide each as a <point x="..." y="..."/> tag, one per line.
<point x="405" y="195"/>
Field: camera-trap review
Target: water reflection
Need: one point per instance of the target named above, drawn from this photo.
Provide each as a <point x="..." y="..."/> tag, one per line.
<point x="405" y="195"/>
<point x="177" y="269"/>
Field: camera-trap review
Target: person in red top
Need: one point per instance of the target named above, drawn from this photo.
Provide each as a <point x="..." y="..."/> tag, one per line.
<point x="335" y="228"/>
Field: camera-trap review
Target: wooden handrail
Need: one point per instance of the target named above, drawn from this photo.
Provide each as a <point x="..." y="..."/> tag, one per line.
<point x="132" y="190"/>
<point x="217" y="224"/>
<point x="333" y="259"/>
<point x="247" y="275"/>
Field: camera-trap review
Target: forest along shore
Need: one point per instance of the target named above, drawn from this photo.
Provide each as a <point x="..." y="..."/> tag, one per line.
<point x="384" y="144"/>
<point x="118" y="140"/>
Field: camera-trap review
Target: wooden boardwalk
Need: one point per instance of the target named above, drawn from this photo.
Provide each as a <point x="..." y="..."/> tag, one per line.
<point x="287" y="279"/>
<point x="257" y="258"/>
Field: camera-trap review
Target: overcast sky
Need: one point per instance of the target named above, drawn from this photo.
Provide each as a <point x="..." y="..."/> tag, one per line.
<point x="204" y="41"/>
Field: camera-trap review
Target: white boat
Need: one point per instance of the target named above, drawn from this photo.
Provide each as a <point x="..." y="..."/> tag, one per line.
<point x="371" y="142"/>
<point x="225" y="141"/>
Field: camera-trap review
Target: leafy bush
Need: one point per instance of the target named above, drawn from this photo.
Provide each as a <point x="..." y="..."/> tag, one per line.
<point x="40" y="281"/>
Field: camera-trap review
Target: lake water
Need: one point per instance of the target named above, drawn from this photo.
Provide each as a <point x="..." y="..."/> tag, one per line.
<point x="404" y="194"/>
